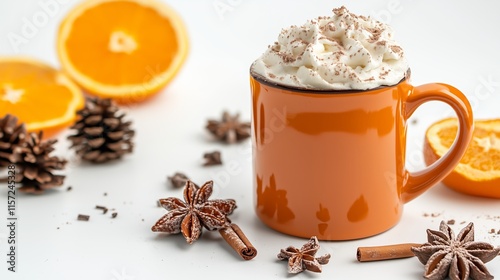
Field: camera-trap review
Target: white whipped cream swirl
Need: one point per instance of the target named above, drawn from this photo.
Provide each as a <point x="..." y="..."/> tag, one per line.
<point x="341" y="52"/>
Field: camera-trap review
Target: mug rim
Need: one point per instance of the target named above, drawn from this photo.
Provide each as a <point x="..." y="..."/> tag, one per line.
<point x="261" y="79"/>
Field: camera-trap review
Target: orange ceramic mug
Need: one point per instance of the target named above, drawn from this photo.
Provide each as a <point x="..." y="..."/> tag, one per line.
<point x="332" y="164"/>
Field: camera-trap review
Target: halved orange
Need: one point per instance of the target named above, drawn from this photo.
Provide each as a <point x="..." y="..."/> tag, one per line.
<point x="122" y="49"/>
<point x="478" y="172"/>
<point x="40" y="96"/>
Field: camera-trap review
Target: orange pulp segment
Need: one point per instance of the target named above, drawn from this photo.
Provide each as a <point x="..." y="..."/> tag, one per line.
<point x="478" y="172"/>
<point x="40" y="96"/>
<point x="122" y="49"/>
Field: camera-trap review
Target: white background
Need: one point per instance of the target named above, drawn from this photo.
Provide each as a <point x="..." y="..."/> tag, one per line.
<point x="455" y="42"/>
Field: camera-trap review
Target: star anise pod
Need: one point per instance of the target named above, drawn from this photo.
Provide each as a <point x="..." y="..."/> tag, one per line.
<point x="195" y="212"/>
<point x="303" y="258"/>
<point x="229" y="129"/>
<point x="459" y="258"/>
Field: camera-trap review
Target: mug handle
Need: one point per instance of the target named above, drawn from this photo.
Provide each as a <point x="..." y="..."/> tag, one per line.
<point x="418" y="182"/>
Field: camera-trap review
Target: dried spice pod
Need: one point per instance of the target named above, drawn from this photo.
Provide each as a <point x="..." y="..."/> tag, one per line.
<point x="304" y="258"/>
<point x="444" y="256"/>
<point x="12" y="137"/>
<point x="457" y="258"/>
<point x="35" y="169"/>
<point x="229" y="129"/>
<point x="196" y="212"/>
<point x="102" y="134"/>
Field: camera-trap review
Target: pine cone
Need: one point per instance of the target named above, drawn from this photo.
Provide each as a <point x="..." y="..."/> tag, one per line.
<point x="101" y="133"/>
<point x="34" y="169"/>
<point x="12" y="137"/>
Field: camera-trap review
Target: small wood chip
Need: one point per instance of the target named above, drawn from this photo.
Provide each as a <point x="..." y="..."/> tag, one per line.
<point x="83" y="217"/>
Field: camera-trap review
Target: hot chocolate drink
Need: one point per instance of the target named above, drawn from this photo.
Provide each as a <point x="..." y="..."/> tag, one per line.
<point x="333" y="165"/>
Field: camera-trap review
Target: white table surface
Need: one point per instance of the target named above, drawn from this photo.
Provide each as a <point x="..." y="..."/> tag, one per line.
<point x="455" y="42"/>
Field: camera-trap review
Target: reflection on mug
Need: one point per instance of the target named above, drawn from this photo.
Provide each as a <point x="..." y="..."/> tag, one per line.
<point x="358" y="210"/>
<point x="323" y="214"/>
<point x="382" y="121"/>
<point x="271" y="201"/>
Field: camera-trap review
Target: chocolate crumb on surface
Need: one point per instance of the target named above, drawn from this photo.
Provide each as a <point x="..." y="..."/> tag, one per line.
<point x="103" y="208"/>
<point x="178" y="180"/>
<point x="451" y="222"/>
<point x="82" y="217"/>
<point x="433" y="215"/>
<point x="114" y="215"/>
<point x="492" y="231"/>
<point x="212" y="158"/>
<point x="69" y="188"/>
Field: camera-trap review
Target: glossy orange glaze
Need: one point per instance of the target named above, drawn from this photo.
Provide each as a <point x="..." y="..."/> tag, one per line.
<point x="332" y="164"/>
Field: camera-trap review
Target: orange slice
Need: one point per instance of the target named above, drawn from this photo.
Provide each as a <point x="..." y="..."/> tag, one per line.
<point x="122" y="49"/>
<point x="478" y="172"/>
<point x="40" y="96"/>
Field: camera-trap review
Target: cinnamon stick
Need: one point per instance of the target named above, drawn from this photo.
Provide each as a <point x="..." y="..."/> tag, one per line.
<point x="388" y="252"/>
<point x="238" y="241"/>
